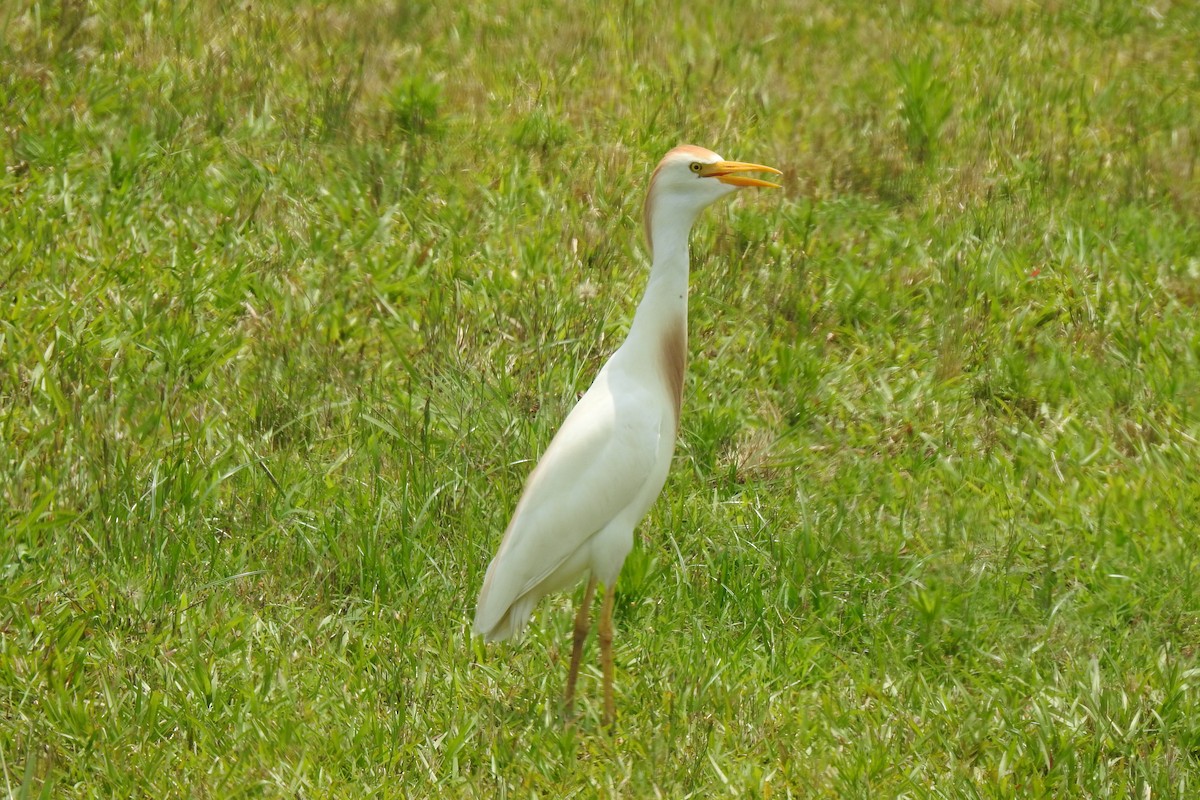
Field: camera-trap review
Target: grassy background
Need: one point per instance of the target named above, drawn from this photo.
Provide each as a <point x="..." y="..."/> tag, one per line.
<point x="290" y="294"/>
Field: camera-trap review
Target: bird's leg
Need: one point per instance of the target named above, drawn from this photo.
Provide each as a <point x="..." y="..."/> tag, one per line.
<point x="606" y="660"/>
<point x="582" y="617"/>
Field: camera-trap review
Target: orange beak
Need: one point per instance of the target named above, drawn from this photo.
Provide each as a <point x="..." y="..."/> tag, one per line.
<point x="722" y="171"/>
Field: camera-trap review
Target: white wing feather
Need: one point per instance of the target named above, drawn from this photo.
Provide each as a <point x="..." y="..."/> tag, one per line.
<point x="595" y="467"/>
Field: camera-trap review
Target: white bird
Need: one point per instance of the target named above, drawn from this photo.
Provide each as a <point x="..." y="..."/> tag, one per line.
<point x="609" y="461"/>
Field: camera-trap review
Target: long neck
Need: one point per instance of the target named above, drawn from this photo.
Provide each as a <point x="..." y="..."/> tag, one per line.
<point x="659" y="327"/>
<point x="664" y="302"/>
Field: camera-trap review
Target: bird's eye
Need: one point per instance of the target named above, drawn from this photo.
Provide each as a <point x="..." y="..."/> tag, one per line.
<point x="696" y="167"/>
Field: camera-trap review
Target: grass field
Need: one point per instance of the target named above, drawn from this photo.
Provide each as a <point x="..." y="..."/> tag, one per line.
<point x="292" y="294"/>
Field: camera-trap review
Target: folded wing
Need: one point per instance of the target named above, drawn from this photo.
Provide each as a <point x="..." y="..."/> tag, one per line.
<point x="593" y="470"/>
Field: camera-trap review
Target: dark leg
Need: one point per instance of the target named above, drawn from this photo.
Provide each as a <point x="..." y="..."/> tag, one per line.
<point x="581" y="631"/>
<point x="606" y="660"/>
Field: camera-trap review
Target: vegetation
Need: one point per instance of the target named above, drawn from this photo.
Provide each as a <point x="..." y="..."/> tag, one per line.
<point x="292" y="294"/>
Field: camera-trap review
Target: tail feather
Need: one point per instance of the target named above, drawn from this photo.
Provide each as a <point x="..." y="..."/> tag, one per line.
<point x="493" y="613"/>
<point x="510" y="623"/>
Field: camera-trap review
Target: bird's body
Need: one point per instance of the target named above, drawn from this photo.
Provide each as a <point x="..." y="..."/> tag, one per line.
<point x="597" y="479"/>
<point x="609" y="460"/>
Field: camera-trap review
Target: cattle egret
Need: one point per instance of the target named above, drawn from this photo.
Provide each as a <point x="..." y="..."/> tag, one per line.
<point x="608" y="462"/>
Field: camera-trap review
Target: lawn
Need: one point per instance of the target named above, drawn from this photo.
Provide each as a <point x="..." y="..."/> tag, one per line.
<point x="293" y="295"/>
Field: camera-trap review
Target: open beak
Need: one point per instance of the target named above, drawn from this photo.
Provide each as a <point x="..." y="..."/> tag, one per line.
<point x="723" y="171"/>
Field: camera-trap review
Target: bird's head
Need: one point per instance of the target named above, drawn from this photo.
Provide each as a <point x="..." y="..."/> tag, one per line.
<point x="690" y="178"/>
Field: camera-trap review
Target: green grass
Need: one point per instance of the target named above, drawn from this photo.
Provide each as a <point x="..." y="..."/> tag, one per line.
<point x="291" y="295"/>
